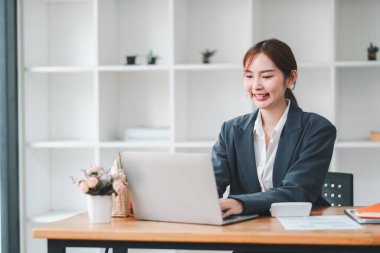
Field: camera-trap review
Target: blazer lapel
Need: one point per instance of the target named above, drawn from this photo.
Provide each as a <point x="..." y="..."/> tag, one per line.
<point x="245" y="153"/>
<point x="288" y="142"/>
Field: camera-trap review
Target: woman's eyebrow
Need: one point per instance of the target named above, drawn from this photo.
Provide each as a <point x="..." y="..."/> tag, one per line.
<point x="263" y="71"/>
<point x="267" y="70"/>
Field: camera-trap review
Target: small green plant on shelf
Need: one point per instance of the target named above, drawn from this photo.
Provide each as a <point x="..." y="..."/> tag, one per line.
<point x="372" y="51"/>
<point x="207" y="55"/>
<point x="151" y="58"/>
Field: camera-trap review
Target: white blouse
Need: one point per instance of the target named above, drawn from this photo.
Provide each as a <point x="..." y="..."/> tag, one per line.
<point x="265" y="157"/>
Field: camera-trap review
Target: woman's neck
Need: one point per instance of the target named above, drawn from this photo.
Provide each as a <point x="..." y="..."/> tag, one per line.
<point x="271" y="116"/>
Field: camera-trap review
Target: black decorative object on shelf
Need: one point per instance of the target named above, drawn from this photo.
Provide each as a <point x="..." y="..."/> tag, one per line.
<point x="207" y="55"/>
<point x="372" y="52"/>
<point x="151" y="58"/>
<point x="131" y="59"/>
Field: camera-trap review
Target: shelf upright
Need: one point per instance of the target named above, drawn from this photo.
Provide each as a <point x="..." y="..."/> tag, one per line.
<point x="172" y="88"/>
<point x="96" y="81"/>
<point x="333" y="83"/>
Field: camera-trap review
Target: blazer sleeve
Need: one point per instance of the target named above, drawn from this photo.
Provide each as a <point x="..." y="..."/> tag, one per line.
<point x="304" y="179"/>
<point x="220" y="163"/>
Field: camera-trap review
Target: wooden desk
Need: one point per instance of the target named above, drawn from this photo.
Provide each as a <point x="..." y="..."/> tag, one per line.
<point x="264" y="234"/>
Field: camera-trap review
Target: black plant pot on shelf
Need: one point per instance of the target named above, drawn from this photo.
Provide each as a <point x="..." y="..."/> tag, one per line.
<point x="206" y="59"/>
<point x="131" y="60"/>
<point x="152" y="60"/>
<point x="372" y="56"/>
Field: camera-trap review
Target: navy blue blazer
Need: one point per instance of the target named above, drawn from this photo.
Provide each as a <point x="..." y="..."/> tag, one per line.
<point x="302" y="160"/>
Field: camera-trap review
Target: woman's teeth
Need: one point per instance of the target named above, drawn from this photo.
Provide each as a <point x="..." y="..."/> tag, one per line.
<point x="262" y="95"/>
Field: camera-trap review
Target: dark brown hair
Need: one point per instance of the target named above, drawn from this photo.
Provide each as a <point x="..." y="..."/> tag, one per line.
<point x="280" y="54"/>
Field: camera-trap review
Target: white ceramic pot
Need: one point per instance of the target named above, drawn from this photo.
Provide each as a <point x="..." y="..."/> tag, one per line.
<point x="99" y="208"/>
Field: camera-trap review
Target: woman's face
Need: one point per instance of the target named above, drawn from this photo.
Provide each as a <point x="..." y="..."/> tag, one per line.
<point x="264" y="83"/>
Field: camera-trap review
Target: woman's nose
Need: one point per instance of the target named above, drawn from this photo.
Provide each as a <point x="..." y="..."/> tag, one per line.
<point x="256" y="84"/>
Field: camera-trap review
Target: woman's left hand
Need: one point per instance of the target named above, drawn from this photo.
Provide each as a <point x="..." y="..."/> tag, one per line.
<point x="230" y="207"/>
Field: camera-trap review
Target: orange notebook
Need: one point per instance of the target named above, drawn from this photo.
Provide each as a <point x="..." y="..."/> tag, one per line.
<point x="369" y="211"/>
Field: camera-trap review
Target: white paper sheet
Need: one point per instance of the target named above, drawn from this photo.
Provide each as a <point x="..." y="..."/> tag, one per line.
<point x="332" y="222"/>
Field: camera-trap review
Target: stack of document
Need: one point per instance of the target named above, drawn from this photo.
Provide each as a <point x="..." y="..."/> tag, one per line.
<point x="146" y="134"/>
<point x="369" y="214"/>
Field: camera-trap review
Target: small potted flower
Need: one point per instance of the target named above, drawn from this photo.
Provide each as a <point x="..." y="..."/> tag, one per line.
<point x="151" y="58"/>
<point x="372" y="51"/>
<point x="99" y="185"/>
<point x="207" y="55"/>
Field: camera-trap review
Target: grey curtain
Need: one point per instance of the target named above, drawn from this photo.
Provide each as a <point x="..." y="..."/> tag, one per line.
<point x="10" y="238"/>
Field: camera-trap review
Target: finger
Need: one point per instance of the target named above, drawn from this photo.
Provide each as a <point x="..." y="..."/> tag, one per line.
<point x="227" y="213"/>
<point x="224" y="205"/>
<point x="225" y="201"/>
<point x="222" y="200"/>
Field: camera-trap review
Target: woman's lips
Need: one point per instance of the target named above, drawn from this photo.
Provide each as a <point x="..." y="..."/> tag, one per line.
<point x="261" y="97"/>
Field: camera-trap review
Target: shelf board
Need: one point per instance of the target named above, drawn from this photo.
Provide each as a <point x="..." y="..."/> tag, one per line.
<point x="121" y="144"/>
<point x="59" y="69"/>
<point x="127" y="68"/>
<point x="53" y="216"/>
<point x="211" y="66"/>
<point x="356" y="144"/>
<point x="314" y="64"/>
<point x="62" y="144"/>
<point x="357" y="64"/>
<point x="194" y="144"/>
<point x="136" y="144"/>
<point x="68" y="1"/>
<point x="232" y="66"/>
<point x="167" y="144"/>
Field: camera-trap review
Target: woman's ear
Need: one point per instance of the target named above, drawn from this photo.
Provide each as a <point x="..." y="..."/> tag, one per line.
<point x="291" y="80"/>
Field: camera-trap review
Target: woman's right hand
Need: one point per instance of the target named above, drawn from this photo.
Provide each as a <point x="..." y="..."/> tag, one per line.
<point x="230" y="207"/>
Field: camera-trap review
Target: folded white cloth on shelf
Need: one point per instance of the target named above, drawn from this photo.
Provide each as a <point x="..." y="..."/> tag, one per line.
<point x="145" y="133"/>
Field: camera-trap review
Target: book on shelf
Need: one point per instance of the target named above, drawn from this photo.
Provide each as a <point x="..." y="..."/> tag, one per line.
<point x="362" y="220"/>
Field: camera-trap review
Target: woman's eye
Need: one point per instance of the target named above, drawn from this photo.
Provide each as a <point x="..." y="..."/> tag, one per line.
<point x="267" y="77"/>
<point x="249" y="76"/>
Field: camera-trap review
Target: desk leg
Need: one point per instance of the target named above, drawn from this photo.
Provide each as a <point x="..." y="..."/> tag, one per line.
<point x="55" y="246"/>
<point x="119" y="250"/>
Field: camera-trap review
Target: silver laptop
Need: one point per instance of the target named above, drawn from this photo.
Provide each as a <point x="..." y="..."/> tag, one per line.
<point x="175" y="187"/>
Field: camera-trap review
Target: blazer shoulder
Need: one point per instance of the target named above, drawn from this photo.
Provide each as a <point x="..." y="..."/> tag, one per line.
<point x="239" y="121"/>
<point x="315" y="120"/>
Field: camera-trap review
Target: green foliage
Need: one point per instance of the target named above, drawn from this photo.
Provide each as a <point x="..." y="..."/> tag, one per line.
<point x="151" y="57"/>
<point x="372" y="48"/>
<point x="208" y="53"/>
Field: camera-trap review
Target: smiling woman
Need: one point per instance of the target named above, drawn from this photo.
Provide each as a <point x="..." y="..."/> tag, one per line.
<point x="10" y="241"/>
<point x="277" y="153"/>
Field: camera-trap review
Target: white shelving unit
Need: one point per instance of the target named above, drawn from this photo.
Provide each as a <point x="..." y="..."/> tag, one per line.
<point x="78" y="97"/>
